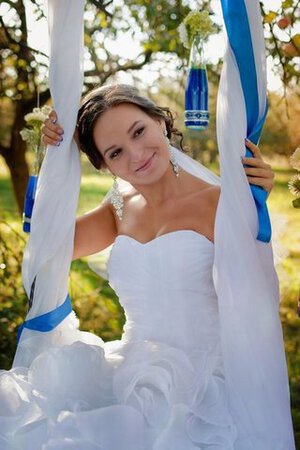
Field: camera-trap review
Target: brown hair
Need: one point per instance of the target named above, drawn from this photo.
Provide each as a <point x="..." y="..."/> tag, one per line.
<point x="100" y="100"/>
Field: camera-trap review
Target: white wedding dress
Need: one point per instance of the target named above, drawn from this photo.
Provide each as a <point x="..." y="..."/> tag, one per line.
<point x="161" y="387"/>
<point x="201" y="364"/>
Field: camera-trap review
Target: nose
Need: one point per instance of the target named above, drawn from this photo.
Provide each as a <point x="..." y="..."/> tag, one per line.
<point x="137" y="154"/>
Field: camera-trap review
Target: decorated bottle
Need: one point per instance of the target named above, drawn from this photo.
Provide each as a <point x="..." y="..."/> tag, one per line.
<point x="196" y="91"/>
<point x="31" y="189"/>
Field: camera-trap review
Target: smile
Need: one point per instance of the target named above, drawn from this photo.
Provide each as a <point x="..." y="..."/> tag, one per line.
<point x="147" y="164"/>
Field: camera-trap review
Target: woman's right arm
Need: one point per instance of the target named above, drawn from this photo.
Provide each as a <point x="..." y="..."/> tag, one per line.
<point x="94" y="231"/>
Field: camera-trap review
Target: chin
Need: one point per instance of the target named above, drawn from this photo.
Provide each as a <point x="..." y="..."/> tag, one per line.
<point x="154" y="173"/>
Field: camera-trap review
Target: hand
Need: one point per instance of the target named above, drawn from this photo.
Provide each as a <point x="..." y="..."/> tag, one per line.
<point x="51" y="131"/>
<point x="260" y="173"/>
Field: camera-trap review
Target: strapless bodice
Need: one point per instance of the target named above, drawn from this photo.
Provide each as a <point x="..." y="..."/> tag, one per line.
<point x="166" y="288"/>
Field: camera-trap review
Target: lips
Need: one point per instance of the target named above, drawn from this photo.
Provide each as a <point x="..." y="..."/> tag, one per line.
<point x="146" y="164"/>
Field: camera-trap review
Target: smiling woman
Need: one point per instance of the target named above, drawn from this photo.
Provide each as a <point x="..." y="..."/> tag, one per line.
<point x="129" y="135"/>
<point x="100" y="101"/>
<point x="201" y="361"/>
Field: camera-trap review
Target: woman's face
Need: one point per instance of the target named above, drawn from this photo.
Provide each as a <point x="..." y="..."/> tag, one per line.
<point x="132" y="144"/>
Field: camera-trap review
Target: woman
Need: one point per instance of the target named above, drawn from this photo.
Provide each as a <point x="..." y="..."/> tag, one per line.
<point x="162" y="386"/>
<point x="129" y="135"/>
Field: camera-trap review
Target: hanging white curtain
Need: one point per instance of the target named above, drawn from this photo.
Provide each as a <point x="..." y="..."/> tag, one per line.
<point x="48" y="252"/>
<point x="244" y="274"/>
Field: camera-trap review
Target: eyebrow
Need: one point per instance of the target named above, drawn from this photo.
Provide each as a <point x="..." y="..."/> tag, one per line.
<point x="128" y="131"/>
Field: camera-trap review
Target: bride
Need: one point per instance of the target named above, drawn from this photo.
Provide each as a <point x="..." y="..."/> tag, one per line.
<point x="129" y="135"/>
<point x="162" y="386"/>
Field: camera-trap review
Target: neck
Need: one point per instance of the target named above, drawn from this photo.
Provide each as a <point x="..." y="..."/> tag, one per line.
<point x="167" y="187"/>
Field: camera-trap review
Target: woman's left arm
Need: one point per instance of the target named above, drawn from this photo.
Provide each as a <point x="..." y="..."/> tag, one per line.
<point x="260" y="173"/>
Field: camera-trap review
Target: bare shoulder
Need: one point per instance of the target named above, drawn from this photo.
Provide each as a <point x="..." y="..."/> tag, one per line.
<point x="208" y="193"/>
<point x="213" y="192"/>
<point x="208" y="197"/>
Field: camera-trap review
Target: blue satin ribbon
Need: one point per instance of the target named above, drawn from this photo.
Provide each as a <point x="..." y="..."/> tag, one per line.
<point x="239" y="35"/>
<point x="48" y="321"/>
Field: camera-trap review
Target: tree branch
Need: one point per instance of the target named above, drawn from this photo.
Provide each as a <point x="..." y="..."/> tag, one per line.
<point x="101" y="6"/>
<point x="283" y="77"/>
<point x="11" y="40"/>
<point x="103" y="76"/>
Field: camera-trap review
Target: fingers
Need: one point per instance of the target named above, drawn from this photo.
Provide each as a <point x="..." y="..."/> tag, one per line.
<point x="261" y="176"/>
<point x="52" y="132"/>
<point x="53" y="116"/>
<point x="255" y="162"/>
<point x="265" y="183"/>
<point x="258" y="172"/>
<point x="254" y="148"/>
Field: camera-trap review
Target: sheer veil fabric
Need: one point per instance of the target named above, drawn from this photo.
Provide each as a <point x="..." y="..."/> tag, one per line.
<point x="244" y="275"/>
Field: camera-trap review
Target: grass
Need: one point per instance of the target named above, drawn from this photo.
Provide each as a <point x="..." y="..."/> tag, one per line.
<point x="97" y="305"/>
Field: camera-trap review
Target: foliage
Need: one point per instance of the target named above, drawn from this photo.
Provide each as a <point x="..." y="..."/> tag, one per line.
<point x="281" y="134"/>
<point x="13" y="300"/>
<point x="283" y="40"/>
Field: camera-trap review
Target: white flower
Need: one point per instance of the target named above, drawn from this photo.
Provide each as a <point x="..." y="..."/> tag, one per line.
<point x="29" y="136"/>
<point x="46" y="110"/>
<point x="294" y="185"/>
<point x="183" y="35"/>
<point x="35" y="116"/>
<point x="195" y="23"/>
<point x="295" y="159"/>
<point x="32" y="133"/>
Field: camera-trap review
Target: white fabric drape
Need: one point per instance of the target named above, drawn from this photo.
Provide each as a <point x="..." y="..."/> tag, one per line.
<point x="48" y="253"/>
<point x="245" y="278"/>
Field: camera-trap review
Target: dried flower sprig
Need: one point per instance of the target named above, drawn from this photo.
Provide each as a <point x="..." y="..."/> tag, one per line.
<point x="294" y="185"/>
<point x="32" y="133"/>
<point x="195" y="23"/>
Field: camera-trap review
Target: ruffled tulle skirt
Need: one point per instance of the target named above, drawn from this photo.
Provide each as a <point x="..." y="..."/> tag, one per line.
<point x="81" y="393"/>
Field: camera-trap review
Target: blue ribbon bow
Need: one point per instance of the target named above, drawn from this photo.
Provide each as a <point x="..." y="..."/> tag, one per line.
<point x="47" y="321"/>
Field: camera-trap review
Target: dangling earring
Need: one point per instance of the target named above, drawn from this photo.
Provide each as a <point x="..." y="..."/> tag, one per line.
<point x="117" y="199"/>
<point x="172" y="156"/>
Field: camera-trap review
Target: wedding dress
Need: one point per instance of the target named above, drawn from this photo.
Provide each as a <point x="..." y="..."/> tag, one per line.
<point x="161" y="387"/>
<point x="168" y="383"/>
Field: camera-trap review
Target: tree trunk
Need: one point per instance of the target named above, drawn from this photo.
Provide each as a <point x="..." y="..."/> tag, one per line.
<point x="15" y="158"/>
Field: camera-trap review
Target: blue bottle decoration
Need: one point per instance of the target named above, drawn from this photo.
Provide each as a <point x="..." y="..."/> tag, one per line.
<point x="196" y="91"/>
<point x="29" y="202"/>
<point x="31" y="187"/>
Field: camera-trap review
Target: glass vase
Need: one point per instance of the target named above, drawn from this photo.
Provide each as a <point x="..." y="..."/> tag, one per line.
<point x="196" y="91"/>
<point x="31" y="188"/>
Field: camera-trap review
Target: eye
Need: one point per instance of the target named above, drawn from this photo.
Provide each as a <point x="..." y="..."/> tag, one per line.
<point x="139" y="131"/>
<point x="115" y="153"/>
